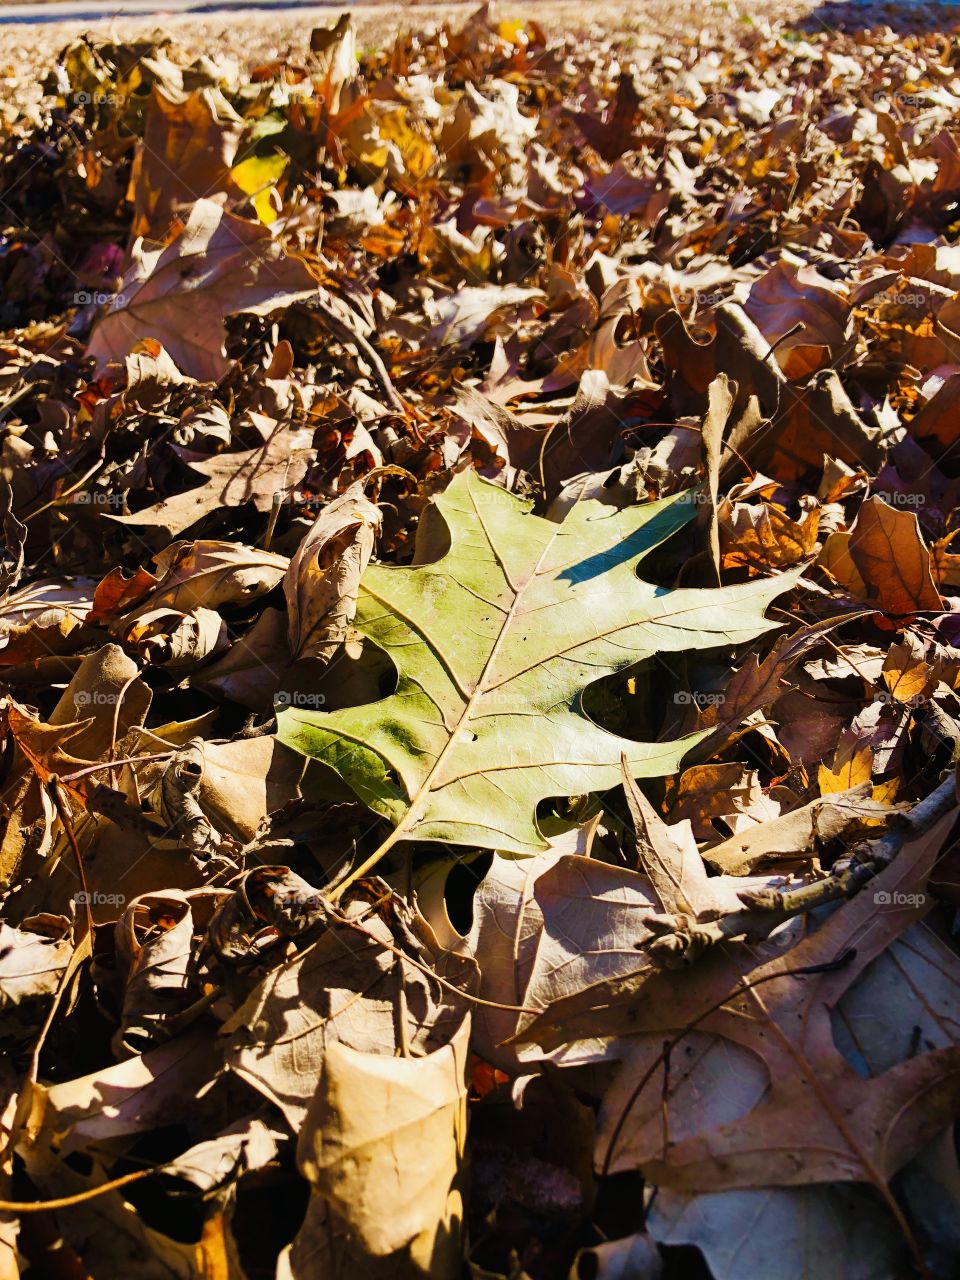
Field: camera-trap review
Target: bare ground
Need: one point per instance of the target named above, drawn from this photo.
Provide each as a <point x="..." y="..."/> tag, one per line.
<point x="254" y="36"/>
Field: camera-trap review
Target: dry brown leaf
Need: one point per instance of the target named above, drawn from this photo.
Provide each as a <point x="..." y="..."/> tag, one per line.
<point x="205" y="573"/>
<point x="230" y="479"/>
<point x="908" y="677"/>
<point x="180" y="294"/>
<point x="471" y="312"/>
<point x="594" y="930"/>
<point x="790" y="841"/>
<point x="41" y="618"/>
<point x="817" y="1120"/>
<point x="385" y="1130"/>
<point x="188" y="147"/>
<point x="323" y="577"/>
<point x="792" y="296"/>
<point x="763" y="537"/>
<point x="729" y="793"/>
<point x="852" y="767"/>
<point x="277" y="1042"/>
<point x="32" y="963"/>
<point x="893" y="560"/>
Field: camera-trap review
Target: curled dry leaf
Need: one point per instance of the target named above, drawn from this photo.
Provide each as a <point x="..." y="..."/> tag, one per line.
<point x="636" y="1257"/>
<point x="32" y="962"/>
<point x="323" y="578"/>
<point x="393" y="1127"/>
<point x="154" y="937"/>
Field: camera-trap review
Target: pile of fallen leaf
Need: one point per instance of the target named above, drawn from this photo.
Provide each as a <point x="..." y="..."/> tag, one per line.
<point x="480" y="645"/>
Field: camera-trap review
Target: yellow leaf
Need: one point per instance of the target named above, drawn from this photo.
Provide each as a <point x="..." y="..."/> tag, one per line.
<point x="418" y="154"/>
<point x="267" y="205"/>
<point x="514" y="31"/>
<point x="908" y="678"/>
<point x="255" y="177"/>
<point x="886" y="793"/>
<point x="854" y="767"/>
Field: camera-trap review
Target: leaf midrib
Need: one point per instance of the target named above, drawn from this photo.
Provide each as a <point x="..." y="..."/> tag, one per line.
<point x="412" y="815"/>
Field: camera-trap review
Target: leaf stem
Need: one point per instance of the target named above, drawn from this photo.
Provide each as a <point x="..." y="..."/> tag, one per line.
<point x="337" y="892"/>
<point x="452" y="987"/>
<point x="66" y="1202"/>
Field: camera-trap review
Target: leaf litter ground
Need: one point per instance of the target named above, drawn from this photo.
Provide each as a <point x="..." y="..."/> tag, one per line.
<point x="398" y="880"/>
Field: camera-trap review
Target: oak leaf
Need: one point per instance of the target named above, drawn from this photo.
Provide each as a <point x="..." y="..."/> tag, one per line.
<point x="181" y="293"/>
<point x="494" y="645"/>
<point x="817" y="1119"/>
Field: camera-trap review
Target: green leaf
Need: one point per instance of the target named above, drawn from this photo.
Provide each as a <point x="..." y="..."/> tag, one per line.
<point x="494" y="644"/>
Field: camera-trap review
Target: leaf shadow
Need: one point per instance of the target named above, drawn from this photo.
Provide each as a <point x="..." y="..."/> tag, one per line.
<point x="635" y="546"/>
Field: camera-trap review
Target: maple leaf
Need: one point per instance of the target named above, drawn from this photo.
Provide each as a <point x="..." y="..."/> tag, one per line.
<point x="494" y="645"/>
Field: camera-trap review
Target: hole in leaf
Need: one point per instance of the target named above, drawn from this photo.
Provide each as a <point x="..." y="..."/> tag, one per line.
<point x="462" y="882"/>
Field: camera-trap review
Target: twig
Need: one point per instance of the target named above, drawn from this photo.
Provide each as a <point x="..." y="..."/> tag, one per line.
<point x="425" y="968"/>
<point x="346" y="333"/>
<point x="682" y="938"/>
<point x="66" y="1202"/>
<point x="338" y="890"/>
<point x="275" y="504"/>
<point x="111" y="764"/>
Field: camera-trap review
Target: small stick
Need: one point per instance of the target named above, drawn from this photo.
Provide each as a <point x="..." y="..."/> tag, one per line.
<point x="65" y="1202"/>
<point x="346" y="333"/>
